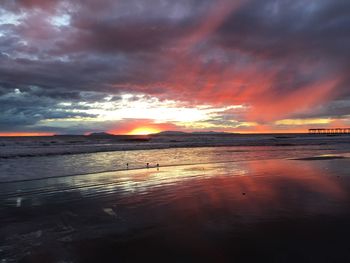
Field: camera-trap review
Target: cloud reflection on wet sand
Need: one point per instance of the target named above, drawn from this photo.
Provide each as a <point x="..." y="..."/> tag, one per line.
<point x="189" y="212"/>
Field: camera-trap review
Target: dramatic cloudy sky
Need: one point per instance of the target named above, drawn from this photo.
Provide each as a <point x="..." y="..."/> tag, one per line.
<point x="118" y="65"/>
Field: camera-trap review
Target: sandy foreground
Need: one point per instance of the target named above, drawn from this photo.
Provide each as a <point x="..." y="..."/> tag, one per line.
<point x="272" y="210"/>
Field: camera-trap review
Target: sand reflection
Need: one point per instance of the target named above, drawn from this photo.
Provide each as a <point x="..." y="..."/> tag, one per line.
<point x="207" y="209"/>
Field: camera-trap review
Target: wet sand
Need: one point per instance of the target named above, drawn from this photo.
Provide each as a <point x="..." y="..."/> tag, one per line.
<point x="254" y="211"/>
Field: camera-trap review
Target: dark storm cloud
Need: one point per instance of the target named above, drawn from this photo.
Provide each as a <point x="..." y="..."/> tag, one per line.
<point x="314" y="33"/>
<point x="337" y="109"/>
<point x="255" y="52"/>
<point x="24" y="108"/>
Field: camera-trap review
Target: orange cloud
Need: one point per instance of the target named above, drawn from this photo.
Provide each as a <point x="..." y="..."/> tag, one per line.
<point x="267" y="96"/>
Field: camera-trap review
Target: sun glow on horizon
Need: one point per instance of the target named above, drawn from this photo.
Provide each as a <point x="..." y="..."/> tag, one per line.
<point x="143" y="131"/>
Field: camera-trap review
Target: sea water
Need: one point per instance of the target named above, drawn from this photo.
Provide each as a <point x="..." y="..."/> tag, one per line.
<point x="41" y="157"/>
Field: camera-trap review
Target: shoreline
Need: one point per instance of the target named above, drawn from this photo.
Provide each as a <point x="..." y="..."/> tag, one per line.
<point x="311" y="158"/>
<point x="172" y="170"/>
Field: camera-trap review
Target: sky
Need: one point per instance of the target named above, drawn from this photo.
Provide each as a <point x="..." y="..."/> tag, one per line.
<point x="130" y="66"/>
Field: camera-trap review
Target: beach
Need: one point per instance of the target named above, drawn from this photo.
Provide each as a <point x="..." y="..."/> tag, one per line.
<point x="291" y="207"/>
<point x="174" y="131"/>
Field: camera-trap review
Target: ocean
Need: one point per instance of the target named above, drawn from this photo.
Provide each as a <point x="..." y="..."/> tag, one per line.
<point x="213" y="198"/>
<point x="26" y="158"/>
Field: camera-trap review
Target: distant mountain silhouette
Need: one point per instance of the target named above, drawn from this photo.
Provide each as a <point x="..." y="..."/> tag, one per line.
<point x="211" y="133"/>
<point x="100" y="134"/>
<point x="191" y="133"/>
<point x="167" y="133"/>
<point x="171" y="133"/>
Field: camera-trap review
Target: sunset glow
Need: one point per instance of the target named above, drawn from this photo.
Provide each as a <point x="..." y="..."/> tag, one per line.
<point x="174" y="130"/>
<point x="143" y="131"/>
<point x="235" y="66"/>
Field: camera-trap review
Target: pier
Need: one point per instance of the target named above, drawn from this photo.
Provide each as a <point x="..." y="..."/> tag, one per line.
<point x="330" y="131"/>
